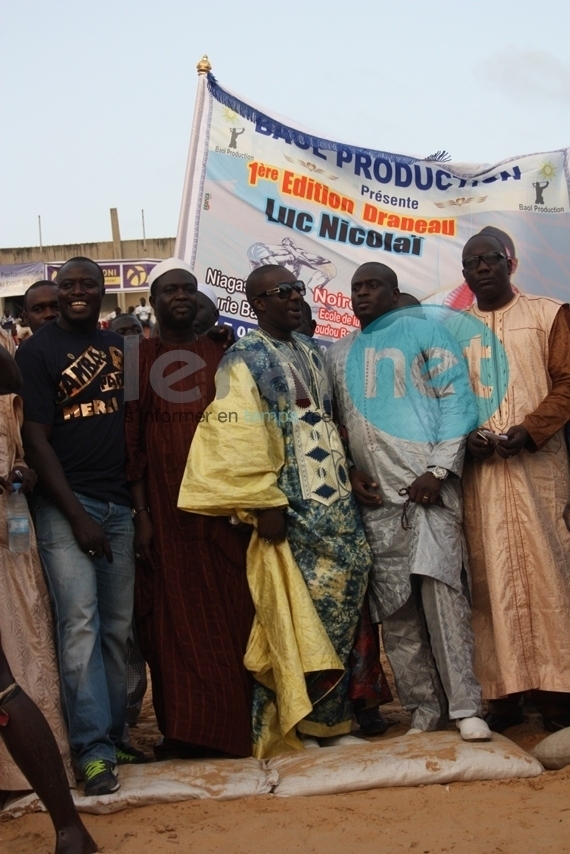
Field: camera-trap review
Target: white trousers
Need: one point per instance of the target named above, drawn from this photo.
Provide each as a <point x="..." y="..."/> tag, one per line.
<point x="429" y="644"/>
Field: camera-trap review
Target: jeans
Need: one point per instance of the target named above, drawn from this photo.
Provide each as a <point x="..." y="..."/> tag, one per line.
<point x="92" y="602"/>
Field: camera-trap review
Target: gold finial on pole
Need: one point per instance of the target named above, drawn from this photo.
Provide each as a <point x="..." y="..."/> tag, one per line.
<point x="204" y="66"/>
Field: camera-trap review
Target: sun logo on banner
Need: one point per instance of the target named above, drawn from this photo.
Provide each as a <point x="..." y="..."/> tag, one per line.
<point x="136" y="276"/>
<point x="230" y="116"/>
<point x="547" y="171"/>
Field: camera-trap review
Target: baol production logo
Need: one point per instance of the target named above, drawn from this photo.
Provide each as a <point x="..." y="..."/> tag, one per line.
<point x="427" y="374"/>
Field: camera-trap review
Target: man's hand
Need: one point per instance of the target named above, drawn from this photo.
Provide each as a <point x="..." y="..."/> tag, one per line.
<point x="479" y="448"/>
<point x="91" y="538"/>
<point x="425" y="489"/>
<point x="223" y="335"/>
<point x="518" y="438"/>
<point x="24" y="475"/>
<point x="271" y="524"/>
<point x="366" y="491"/>
<point x="144" y="534"/>
<point x="20" y="474"/>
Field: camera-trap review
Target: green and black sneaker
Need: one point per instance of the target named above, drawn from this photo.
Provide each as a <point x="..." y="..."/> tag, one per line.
<point x="100" y="777"/>
<point x="128" y="755"/>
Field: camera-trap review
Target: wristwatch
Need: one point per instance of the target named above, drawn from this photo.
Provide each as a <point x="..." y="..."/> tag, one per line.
<point x="136" y="510"/>
<point x="438" y="471"/>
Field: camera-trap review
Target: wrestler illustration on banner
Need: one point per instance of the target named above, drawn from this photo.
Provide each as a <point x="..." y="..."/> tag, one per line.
<point x="235" y="132"/>
<point x="540" y="188"/>
<point x="293" y="258"/>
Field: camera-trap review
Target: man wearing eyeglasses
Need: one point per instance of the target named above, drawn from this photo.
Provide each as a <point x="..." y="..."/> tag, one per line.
<point x="516" y="486"/>
<point x="270" y="443"/>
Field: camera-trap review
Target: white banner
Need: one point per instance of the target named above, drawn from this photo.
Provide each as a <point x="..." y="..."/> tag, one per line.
<point x="15" y="279"/>
<point x="260" y="189"/>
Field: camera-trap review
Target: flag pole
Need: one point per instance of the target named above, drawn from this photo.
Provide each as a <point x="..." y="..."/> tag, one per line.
<point x="181" y="247"/>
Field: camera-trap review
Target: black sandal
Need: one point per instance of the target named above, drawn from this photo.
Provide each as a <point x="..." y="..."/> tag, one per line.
<point x="554" y="723"/>
<point x="499" y="723"/>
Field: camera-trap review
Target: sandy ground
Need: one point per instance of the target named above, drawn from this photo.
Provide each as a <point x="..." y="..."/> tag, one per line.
<point x="503" y="817"/>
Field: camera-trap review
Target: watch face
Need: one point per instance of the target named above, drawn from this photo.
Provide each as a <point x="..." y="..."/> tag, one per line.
<point x="439" y="472"/>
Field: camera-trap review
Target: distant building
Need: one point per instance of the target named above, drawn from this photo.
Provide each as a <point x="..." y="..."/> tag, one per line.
<point x="125" y="275"/>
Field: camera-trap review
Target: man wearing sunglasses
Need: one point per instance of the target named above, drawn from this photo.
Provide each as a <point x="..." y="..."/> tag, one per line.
<point x="270" y="444"/>
<point x="515" y="491"/>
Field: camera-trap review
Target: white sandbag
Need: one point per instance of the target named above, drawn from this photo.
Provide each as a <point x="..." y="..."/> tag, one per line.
<point x="167" y="782"/>
<point x="409" y="760"/>
<point x="413" y="760"/>
<point x="554" y="751"/>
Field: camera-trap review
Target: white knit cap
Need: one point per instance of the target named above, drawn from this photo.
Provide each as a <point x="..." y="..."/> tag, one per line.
<point x="166" y="267"/>
<point x="209" y="292"/>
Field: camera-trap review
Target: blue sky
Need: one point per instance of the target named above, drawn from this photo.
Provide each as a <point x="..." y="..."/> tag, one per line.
<point x="97" y="97"/>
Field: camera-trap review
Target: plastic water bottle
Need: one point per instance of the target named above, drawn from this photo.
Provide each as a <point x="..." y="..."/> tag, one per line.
<point x="18" y="521"/>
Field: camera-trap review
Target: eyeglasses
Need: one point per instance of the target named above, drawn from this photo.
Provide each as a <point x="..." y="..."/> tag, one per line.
<point x="489" y="258"/>
<point x="285" y="289"/>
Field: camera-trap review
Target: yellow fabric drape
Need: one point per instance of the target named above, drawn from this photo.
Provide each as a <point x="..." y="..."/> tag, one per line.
<point x="287" y="641"/>
<point x="233" y="465"/>
<point x="236" y="454"/>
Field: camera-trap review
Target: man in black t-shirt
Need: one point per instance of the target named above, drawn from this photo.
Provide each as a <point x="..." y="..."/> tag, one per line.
<point x="74" y="439"/>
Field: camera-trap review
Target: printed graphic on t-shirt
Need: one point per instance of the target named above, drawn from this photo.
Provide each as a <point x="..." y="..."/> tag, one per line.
<point x="88" y="370"/>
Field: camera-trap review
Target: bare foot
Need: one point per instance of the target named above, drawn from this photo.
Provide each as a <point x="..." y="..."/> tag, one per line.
<point x="75" y="840"/>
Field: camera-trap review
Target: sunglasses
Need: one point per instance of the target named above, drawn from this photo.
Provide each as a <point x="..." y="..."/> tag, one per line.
<point x="489" y="258"/>
<point x="285" y="289"/>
